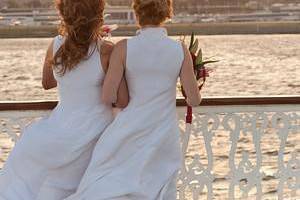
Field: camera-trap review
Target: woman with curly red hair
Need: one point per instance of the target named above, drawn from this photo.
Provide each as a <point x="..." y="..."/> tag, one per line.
<point x="138" y="156"/>
<point x="52" y="154"/>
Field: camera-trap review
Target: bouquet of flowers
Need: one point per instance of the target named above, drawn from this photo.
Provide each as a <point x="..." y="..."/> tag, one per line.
<point x="200" y="70"/>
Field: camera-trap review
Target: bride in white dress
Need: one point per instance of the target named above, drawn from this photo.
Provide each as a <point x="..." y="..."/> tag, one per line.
<point x="53" y="153"/>
<point x="138" y="155"/>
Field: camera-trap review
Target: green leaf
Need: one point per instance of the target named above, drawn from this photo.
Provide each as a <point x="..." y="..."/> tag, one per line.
<point x="199" y="57"/>
<point x="199" y="66"/>
<point x="192" y="40"/>
<point x="209" y="61"/>
<point x="195" y="47"/>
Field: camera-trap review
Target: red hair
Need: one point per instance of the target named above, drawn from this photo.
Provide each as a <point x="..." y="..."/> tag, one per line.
<point x="81" y="22"/>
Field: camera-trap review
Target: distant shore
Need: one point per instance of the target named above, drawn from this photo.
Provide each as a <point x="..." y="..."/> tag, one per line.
<point x="291" y="27"/>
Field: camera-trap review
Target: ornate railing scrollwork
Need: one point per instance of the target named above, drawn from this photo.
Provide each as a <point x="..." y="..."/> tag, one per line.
<point x="245" y="166"/>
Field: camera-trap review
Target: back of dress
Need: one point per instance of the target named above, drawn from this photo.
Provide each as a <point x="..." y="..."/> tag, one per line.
<point x="80" y="88"/>
<point x="153" y="65"/>
<point x="80" y="110"/>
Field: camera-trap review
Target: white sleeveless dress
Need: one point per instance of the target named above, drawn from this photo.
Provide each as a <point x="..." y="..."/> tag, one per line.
<point x="53" y="153"/>
<point x="138" y="155"/>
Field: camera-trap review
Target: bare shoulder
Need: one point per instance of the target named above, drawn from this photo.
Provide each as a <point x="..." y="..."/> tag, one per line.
<point x="50" y="49"/>
<point x="52" y="43"/>
<point x="107" y="47"/>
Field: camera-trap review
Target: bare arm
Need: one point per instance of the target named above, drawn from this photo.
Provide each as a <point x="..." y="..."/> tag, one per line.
<point x="115" y="89"/>
<point x="48" y="80"/>
<point x="188" y="80"/>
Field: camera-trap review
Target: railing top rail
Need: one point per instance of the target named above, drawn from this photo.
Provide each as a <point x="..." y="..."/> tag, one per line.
<point x="207" y="101"/>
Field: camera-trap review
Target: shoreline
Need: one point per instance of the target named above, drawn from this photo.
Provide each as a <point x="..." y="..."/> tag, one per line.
<point x="226" y="28"/>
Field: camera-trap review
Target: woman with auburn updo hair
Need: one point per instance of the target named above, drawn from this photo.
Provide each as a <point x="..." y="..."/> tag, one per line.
<point x="53" y="153"/>
<point x="138" y="156"/>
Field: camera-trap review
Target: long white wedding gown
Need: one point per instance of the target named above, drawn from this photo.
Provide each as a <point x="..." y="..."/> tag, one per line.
<point x="138" y="155"/>
<point x="53" y="153"/>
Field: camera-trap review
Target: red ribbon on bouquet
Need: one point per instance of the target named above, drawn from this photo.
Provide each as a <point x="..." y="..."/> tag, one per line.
<point x="200" y="71"/>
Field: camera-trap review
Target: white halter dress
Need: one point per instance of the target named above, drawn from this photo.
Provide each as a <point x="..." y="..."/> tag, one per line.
<point x="138" y="155"/>
<point x="53" y="153"/>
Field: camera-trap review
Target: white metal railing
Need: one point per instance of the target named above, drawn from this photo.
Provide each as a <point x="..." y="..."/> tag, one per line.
<point x="239" y="148"/>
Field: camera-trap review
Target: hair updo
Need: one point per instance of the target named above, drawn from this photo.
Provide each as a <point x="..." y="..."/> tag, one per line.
<point x="81" y="22"/>
<point x="153" y="12"/>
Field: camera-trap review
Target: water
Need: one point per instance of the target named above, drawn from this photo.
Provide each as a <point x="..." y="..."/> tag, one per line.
<point x="249" y="65"/>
